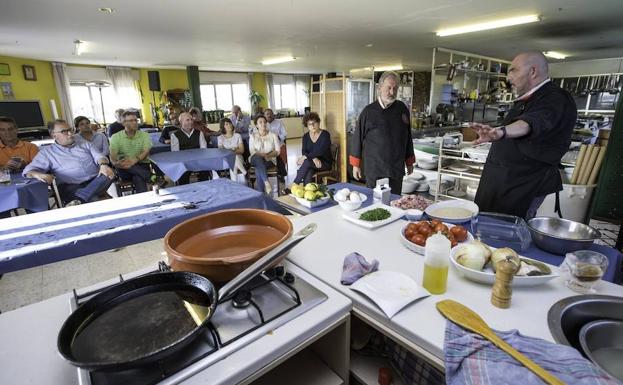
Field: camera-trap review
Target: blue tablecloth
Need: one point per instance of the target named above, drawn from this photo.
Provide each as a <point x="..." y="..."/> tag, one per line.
<point x="42" y="238"/>
<point x="175" y="163"/>
<point x="156" y="146"/>
<point x="26" y="193"/>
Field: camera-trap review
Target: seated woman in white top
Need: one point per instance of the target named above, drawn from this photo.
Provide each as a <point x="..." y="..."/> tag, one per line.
<point x="264" y="149"/>
<point x="231" y="140"/>
<point x="86" y="134"/>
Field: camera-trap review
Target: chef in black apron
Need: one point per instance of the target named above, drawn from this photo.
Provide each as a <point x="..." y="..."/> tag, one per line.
<point x="522" y="166"/>
<point x="382" y="138"/>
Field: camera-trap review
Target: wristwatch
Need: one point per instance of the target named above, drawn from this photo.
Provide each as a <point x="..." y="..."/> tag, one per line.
<point x="503" y="128"/>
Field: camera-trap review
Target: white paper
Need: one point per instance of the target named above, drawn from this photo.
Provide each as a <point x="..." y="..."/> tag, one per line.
<point x="390" y="290"/>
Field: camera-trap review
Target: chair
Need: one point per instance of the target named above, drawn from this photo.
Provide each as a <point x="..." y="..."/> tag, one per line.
<point x="124" y="186"/>
<point x="334" y="173"/>
<point x="270" y="172"/>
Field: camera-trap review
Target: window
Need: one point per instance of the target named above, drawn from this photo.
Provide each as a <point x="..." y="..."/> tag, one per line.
<point x="96" y="103"/>
<point x="290" y="92"/>
<point x="223" y="96"/>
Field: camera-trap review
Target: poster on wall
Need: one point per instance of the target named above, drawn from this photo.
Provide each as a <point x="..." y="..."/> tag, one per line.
<point x="29" y="72"/>
<point x="7" y="91"/>
<point x="5" y="70"/>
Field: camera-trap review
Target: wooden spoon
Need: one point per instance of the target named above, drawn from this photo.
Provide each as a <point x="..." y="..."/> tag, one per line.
<point x="465" y="317"/>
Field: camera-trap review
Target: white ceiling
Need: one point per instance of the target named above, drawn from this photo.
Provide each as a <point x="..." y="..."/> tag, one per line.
<point x="237" y="35"/>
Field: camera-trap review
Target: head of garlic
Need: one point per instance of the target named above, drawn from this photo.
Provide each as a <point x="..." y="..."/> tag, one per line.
<point x="474" y="255"/>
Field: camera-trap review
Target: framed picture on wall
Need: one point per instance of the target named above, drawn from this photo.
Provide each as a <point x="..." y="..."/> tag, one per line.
<point x="29" y="72"/>
<point x="5" y="69"/>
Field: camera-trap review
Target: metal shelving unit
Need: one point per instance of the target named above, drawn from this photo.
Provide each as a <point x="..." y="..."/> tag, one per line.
<point x="456" y="155"/>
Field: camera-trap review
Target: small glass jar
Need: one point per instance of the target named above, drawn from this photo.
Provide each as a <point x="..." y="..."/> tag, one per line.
<point x="583" y="269"/>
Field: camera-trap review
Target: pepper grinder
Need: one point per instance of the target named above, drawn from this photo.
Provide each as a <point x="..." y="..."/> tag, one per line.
<point x="502" y="290"/>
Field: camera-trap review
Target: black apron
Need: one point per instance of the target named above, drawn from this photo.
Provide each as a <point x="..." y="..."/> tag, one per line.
<point x="511" y="180"/>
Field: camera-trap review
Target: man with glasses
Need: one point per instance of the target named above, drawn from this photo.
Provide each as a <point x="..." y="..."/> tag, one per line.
<point x="81" y="171"/>
<point x="129" y="153"/>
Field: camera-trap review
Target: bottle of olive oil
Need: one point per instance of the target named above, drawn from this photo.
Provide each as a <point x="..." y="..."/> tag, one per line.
<point x="436" y="253"/>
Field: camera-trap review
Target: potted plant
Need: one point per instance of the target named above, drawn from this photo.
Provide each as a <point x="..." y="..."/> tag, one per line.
<point x="255" y="98"/>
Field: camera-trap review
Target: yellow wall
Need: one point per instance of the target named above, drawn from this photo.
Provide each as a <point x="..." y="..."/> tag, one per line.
<point x="169" y="79"/>
<point x="258" y="83"/>
<point x="42" y="89"/>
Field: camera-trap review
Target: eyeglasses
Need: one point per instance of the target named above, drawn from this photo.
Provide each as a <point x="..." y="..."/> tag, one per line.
<point x="66" y="131"/>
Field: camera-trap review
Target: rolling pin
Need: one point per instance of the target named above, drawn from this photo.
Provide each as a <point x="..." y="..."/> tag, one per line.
<point x="595" y="172"/>
<point x="589" y="166"/>
<point x="578" y="162"/>
<point x="584" y="165"/>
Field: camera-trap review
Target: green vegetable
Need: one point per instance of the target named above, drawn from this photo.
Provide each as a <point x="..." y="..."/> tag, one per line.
<point x="375" y="215"/>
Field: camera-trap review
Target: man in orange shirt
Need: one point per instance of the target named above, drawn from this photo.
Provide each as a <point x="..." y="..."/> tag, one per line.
<point x="15" y="154"/>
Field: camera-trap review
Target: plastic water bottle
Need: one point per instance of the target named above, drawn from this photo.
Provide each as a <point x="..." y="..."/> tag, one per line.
<point x="436" y="254"/>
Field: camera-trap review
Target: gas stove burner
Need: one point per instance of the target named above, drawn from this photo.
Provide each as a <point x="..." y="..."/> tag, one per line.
<point x="242" y="299"/>
<point x="289" y="278"/>
<point x="277" y="271"/>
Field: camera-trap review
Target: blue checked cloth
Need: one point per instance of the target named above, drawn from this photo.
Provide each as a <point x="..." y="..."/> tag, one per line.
<point x="355" y="267"/>
<point x="472" y="360"/>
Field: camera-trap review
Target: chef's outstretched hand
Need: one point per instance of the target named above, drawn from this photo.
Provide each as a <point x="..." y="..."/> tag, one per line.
<point x="486" y="133"/>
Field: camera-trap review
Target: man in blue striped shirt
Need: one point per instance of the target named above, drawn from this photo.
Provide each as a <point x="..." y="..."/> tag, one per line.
<point x="82" y="173"/>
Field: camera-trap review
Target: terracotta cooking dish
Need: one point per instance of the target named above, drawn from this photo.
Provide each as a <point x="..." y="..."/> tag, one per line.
<point x="222" y="244"/>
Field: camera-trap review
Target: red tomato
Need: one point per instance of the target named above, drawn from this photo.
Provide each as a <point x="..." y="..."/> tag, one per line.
<point x="459" y="232"/>
<point x="412" y="226"/>
<point x="409" y="233"/>
<point x="419" y="240"/>
<point x="425" y="230"/>
<point x="440" y="227"/>
<point x="435" y="222"/>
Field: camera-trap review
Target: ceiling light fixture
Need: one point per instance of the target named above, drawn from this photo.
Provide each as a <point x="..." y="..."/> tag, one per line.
<point x="79" y="47"/>
<point x="489" y="25"/>
<point x="369" y="45"/>
<point x="278" y="60"/>
<point x="106" y="10"/>
<point x="555" y="55"/>
<point x="364" y="69"/>
<point x="396" y="67"/>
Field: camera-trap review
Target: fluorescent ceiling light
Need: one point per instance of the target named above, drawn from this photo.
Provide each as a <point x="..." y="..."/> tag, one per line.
<point x="555" y="55"/>
<point x="365" y="69"/>
<point x="396" y="67"/>
<point x="489" y="25"/>
<point x="278" y="60"/>
<point x="79" y="47"/>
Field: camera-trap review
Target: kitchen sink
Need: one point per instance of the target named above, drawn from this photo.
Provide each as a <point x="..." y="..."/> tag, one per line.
<point x="567" y="316"/>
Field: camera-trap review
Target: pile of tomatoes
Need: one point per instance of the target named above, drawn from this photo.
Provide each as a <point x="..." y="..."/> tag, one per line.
<point x="418" y="232"/>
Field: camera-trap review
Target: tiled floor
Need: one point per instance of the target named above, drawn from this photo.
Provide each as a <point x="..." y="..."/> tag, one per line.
<point x="28" y="286"/>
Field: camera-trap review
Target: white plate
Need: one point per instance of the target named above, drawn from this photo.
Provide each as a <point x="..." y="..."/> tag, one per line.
<point x="457" y="193"/>
<point x="471" y="206"/>
<point x="487" y="276"/>
<point x="420" y="249"/>
<point x="458" y="167"/>
<point x="311" y="204"/>
<point x="353" y="216"/>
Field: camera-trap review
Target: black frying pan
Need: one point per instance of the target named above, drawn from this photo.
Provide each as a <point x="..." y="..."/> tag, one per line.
<point x="145" y="319"/>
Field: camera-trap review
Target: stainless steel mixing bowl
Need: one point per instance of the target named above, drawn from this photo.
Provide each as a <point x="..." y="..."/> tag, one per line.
<point x="560" y="236"/>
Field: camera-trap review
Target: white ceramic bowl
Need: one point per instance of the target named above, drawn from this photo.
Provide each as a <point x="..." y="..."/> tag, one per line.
<point x="463" y="204"/>
<point x="427" y="164"/>
<point x="414" y="214"/>
<point x="487" y="276"/>
<point x="409" y="185"/>
<point x="349" y="205"/>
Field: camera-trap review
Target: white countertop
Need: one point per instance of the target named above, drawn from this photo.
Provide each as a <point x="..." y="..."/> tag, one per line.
<point x="28" y="352"/>
<point x="420" y="322"/>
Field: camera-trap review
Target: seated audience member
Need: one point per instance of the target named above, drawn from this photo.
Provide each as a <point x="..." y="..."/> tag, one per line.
<point x="316" y="151"/>
<point x="239" y="120"/>
<point x="231" y="140"/>
<point x="117" y="126"/>
<point x="165" y="136"/>
<point x="187" y="138"/>
<point x="199" y="124"/>
<point x="264" y="148"/>
<point x="86" y="134"/>
<point x="129" y="153"/>
<point x="82" y="173"/>
<point x="276" y="127"/>
<point x="15" y="154"/>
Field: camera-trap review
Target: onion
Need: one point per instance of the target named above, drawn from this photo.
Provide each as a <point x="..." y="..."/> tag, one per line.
<point x="502" y="254"/>
<point x="473" y="255"/>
